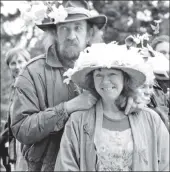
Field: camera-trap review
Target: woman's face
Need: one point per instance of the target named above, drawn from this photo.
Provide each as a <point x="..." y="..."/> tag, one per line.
<point x="16" y="64"/>
<point x="108" y="83"/>
<point x="144" y="92"/>
<point x="163" y="48"/>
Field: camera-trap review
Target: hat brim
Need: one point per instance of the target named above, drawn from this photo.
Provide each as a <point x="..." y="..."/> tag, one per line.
<point x="80" y="77"/>
<point x="100" y="21"/>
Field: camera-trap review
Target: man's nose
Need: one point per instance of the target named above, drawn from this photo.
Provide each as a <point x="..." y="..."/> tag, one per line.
<point x="71" y="35"/>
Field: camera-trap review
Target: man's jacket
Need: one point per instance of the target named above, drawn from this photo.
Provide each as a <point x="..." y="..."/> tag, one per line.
<point x="38" y="114"/>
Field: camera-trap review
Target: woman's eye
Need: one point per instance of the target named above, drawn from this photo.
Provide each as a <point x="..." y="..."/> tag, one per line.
<point x="12" y="64"/>
<point x="111" y="74"/>
<point x="20" y="62"/>
<point x="98" y="75"/>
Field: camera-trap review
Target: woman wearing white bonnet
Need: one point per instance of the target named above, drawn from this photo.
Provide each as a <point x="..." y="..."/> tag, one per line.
<point x="104" y="138"/>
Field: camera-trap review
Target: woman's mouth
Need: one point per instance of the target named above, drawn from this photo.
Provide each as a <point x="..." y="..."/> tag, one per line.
<point x="108" y="88"/>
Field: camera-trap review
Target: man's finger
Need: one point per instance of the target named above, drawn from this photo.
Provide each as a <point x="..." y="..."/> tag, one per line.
<point x="129" y="105"/>
<point x="140" y="106"/>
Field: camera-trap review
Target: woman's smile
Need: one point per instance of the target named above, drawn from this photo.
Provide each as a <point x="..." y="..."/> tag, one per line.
<point x="108" y="88"/>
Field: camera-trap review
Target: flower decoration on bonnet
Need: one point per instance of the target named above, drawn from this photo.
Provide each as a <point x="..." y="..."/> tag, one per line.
<point x="105" y="56"/>
<point x="140" y="42"/>
<point x="39" y="11"/>
<point x="156" y="60"/>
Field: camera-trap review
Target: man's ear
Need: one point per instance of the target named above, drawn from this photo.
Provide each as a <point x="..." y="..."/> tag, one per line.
<point x="90" y="35"/>
<point x="96" y="35"/>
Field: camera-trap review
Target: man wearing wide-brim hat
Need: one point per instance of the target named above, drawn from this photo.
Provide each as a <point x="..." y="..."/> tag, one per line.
<point x="42" y="102"/>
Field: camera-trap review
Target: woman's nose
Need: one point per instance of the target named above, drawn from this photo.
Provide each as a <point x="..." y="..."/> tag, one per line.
<point x="106" y="79"/>
<point x="18" y="66"/>
<point x="147" y="91"/>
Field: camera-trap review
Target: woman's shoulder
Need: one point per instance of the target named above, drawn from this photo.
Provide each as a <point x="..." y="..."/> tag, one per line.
<point x="83" y="116"/>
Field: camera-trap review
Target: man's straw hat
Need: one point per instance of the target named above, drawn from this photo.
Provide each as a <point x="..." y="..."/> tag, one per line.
<point x="76" y="10"/>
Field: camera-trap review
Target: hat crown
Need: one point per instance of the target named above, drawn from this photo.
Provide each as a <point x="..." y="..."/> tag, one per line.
<point x="76" y="4"/>
<point x="110" y="55"/>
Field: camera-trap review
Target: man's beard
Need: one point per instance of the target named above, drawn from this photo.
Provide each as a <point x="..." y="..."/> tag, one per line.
<point x="70" y="50"/>
<point x="68" y="54"/>
<point x="71" y="53"/>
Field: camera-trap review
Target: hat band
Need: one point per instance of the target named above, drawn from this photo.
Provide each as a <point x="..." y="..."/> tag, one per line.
<point x="73" y="10"/>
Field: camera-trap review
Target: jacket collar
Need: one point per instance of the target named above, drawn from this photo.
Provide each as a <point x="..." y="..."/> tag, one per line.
<point x="52" y="57"/>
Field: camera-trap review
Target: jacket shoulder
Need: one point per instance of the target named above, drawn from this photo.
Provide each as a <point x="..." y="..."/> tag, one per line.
<point x="151" y="115"/>
<point x="35" y="65"/>
<point x="36" y="60"/>
<point x="85" y="115"/>
<point x="84" y="118"/>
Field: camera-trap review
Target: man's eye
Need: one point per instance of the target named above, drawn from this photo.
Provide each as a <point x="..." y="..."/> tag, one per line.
<point x="63" y="28"/>
<point x="78" y="28"/>
<point x="143" y="86"/>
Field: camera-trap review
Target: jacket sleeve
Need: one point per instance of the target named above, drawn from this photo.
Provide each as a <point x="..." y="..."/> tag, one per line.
<point x="28" y="123"/>
<point x="69" y="156"/>
<point x="163" y="147"/>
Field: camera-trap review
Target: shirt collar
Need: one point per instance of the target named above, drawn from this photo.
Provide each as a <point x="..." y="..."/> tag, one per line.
<point x="52" y="57"/>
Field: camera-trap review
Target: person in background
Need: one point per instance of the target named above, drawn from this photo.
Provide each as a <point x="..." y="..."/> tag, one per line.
<point x="103" y="138"/>
<point x="146" y="93"/>
<point x="160" y="67"/>
<point x="161" y="44"/>
<point x="16" y="59"/>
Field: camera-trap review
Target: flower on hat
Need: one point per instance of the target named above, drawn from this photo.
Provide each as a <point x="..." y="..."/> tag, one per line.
<point x="58" y="14"/>
<point x="38" y="12"/>
<point x="134" y="41"/>
<point x="41" y="10"/>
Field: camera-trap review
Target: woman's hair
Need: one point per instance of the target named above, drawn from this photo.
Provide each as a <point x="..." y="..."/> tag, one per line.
<point x="158" y="40"/>
<point x="15" y="52"/>
<point x="127" y="91"/>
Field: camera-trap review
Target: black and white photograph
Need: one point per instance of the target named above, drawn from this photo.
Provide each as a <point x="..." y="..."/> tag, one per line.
<point x="85" y="85"/>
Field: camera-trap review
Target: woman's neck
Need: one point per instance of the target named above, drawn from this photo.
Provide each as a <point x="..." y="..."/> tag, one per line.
<point x="111" y="110"/>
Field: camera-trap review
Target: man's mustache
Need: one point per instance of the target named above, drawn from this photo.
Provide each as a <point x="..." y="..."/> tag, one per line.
<point x="71" y="43"/>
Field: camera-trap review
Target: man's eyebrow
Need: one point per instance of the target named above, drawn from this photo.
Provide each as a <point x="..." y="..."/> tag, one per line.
<point x="78" y="23"/>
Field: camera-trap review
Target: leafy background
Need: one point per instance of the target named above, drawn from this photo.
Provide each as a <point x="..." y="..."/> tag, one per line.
<point x="124" y="18"/>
